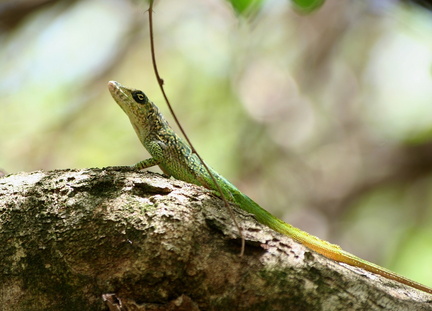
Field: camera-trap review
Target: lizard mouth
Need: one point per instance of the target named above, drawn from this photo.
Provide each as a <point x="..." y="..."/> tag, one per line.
<point x="116" y="88"/>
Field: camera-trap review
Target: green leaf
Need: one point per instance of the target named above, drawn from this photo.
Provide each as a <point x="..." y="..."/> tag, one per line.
<point x="246" y="6"/>
<point x="307" y="6"/>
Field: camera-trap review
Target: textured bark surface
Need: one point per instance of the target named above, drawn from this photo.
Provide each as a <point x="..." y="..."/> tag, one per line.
<point x="112" y="239"/>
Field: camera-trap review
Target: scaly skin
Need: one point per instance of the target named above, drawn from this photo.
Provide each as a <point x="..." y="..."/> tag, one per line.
<point x="175" y="158"/>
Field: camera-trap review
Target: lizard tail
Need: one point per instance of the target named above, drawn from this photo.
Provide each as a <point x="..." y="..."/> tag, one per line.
<point x="322" y="247"/>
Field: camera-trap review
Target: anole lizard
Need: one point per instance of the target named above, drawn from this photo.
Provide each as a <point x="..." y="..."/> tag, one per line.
<point x="175" y="158"/>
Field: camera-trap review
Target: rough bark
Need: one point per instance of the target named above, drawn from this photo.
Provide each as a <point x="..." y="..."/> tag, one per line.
<point x="112" y="239"/>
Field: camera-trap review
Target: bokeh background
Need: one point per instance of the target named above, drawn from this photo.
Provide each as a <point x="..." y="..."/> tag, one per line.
<point x="325" y="119"/>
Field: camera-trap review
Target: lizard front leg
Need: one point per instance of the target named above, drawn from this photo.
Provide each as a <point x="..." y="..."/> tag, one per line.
<point x="146" y="163"/>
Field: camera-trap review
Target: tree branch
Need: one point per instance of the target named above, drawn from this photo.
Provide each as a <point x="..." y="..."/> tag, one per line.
<point x="116" y="239"/>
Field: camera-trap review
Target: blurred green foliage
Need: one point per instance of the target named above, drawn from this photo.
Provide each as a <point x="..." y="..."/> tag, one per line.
<point x="324" y="119"/>
<point x="308" y="6"/>
<point x="245" y="6"/>
<point x="248" y="6"/>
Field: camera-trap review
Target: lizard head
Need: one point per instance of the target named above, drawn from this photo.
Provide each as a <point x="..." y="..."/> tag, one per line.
<point x="143" y="114"/>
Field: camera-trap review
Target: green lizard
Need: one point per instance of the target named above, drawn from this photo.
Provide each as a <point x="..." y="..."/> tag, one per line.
<point x="175" y="158"/>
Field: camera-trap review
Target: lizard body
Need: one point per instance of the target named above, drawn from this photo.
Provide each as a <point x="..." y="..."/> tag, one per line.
<point x="174" y="156"/>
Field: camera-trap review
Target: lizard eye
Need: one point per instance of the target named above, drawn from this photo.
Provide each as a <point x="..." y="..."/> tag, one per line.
<point x="139" y="97"/>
